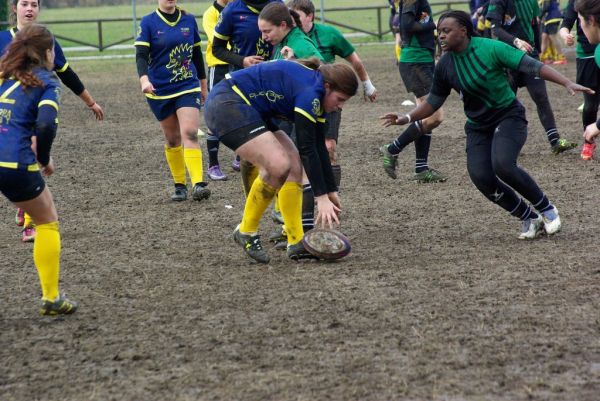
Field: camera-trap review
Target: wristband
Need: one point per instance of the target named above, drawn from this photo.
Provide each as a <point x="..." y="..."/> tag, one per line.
<point x="369" y="88"/>
<point x="409" y="119"/>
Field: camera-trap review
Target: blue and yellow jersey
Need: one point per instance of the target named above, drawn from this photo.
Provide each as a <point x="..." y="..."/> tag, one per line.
<point x="281" y="88"/>
<point x="171" y="70"/>
<point x="238" y="24"/>
<point x="18" y="115"/>
<point x="60" y="61"/>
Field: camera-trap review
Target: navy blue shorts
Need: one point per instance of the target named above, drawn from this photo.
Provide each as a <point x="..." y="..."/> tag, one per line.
<point x="20" y="185"/>
<point x="231" y="119"/>
<point x="163" y="108"/>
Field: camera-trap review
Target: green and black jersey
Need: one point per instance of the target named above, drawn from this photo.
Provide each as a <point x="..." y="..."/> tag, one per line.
<point x="478" y="75"/>
<point x="417" y="32"/>
<point x="302" y="45"/>
<point x="518" y="18"/>
<point x="330" y="42"/>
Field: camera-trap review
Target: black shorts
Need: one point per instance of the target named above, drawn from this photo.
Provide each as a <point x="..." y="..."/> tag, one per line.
<point x="216" y="74"/>
<point x="231" y="119"/>
<point x="417" y="77"/>
<point x="333" y="125"/>
<point x="588" y="73"/>
<point x="552" y="28"/>
<point x="20" y="185"/>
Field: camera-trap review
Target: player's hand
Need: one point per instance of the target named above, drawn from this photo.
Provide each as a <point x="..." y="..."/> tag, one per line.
<point x="590" y="133"/>
<point x="369" y="91"/>
<point x="147" y="86"/>
<point x="335" y="199"/>
<point x="252" y="60"/>
<point x="522" y="45"/>
<point x="48" y="169"/>
<point x="203" y="91"/>
<point x="573" y="88"/>
<point x="97" y="110"/>
<point x="566" y="36"/>
<point x="327" y="212"/>
<point x="287" y="53"/>
<point x="393" y="119"/>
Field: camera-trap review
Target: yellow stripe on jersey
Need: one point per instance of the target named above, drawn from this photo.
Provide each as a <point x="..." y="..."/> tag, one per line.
<point x="305" y="114"/>
<point x="48" y="103"/>
<point x="552" y="21"/>
<point x="198" y="44"/>
<point x="223" y="37"/>
<point x="166" y="21"/>
<point x="139" y="43"/>
<point x="254" y="10"/>
<point x="155" y="97"/>
<point x="321" y="120"/>
<point x="239" y="92"/>
<point x="4" y="96"/>
<point x="13" y="165"/>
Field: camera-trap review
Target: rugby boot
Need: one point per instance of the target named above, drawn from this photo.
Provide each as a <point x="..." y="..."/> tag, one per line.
<point x="587" y="151"/>
<point x="200" y="191"/>
<point x="562" y="145"/>
<point x="428" y="176"/>
<point x="390" y="161"/>
<point x="20" y="217"/>
<point x="532" y="228"/>
<point x="60" y="306"/>
<point x="251" y="245"/>
<point x="215" y="173"/>
<point x="180" y="194"/>
<point x="298" y="252"/>
<point x="28" y="234"/>
<point x="552" y="223"/>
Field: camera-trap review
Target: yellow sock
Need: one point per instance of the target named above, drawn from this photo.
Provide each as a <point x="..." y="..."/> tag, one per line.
<point x="28" y="221"/>
<point x="249" y="173"/>
<point x="290" y="201"/>
<point x="176" y="163"/>
<point x="259" y="197"/>
<point x="46" y="257"/>
<point x="193" y="162"/>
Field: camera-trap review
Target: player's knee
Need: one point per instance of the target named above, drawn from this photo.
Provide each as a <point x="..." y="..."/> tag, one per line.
<point x="191" y="134"/>
<point x="278" y="171"/>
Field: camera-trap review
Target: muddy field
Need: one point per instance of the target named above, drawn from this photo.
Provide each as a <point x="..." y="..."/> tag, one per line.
<point x="438" y="301"/>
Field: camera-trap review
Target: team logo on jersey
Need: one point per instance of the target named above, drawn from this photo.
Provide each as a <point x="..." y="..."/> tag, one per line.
<point x="316" y="107"/>
<point x="270" y="95"/>
<point x="139" y="31"/>
<point x="185" y="31"/>
<point x="179" y="62"/>
<point x="263" y="49"/>
<point x="220" y="19"/>
<point x="5" y="115"/>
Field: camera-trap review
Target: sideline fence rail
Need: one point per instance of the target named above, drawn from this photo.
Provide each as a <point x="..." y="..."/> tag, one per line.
<point x="379" y="31"/>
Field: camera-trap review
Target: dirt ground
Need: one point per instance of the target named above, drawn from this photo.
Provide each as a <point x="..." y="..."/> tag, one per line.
<point x="439" y="300"/>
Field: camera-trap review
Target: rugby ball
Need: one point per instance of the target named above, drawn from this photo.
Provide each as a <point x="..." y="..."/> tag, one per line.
<point x="326" y="244"/>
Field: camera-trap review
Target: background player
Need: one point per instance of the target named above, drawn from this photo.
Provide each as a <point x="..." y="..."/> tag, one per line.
<point x="169" y="37"/>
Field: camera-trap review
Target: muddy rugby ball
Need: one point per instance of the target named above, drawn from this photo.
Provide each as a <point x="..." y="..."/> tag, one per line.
<point x="326" y="244"/>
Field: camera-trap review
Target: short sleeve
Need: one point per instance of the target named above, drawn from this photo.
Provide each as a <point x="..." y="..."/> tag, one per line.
<point x="308" y="103"/>
<point x="224" y="27"/>
<point x="410" y="8"/>
<point x="343" y="48"/>
<point x="60" y="61"/>
<point x="506" y="55"/>
<point x="51" y="93"/>
<point x="197" y="39"/>
<point x="143" y="38"/>
<point x="440" y="86"/>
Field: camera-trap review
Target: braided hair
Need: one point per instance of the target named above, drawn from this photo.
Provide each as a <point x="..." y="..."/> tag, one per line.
<point x="463" y="19"/>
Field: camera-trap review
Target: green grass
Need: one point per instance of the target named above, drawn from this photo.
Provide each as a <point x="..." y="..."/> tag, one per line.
<point x="117" y="31"/>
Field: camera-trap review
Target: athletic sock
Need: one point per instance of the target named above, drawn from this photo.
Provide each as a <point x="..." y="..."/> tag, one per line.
<point x="422" y="145"/>
<point x="553" y="136"/>
<point x="290" y="201"/>
<point x="337" y="174"/>
<point x="249" y="172"/>
<point x="28" y="222"/>
<point x="193" y="162"/>
<point x="308" y="208"/>
<point x="523" y="211"/>
<point x="176" y="163"/>
<point x="545" y="207"/>
<point x="410" y="134"/>
<point x="46" y="257"/>
<point x="259" y="197"/>
<point x="212" y="146"/>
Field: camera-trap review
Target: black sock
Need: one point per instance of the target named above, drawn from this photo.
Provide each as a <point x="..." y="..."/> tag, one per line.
<point x="337" y="174"/>
<point x="553" y="136"/>
<point x="422" y="152"/>
<point x="308" y="208"/>
<point x="212" y="145"/>
<point x="410" y="134"/>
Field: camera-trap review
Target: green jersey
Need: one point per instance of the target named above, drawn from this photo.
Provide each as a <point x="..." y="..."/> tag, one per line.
<point x="302" y="45"/>
<point x="417" y="32"/>
<point x="516" y="17"/>
<point x="330" y="42"/>
<point x="478" y="75"/>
